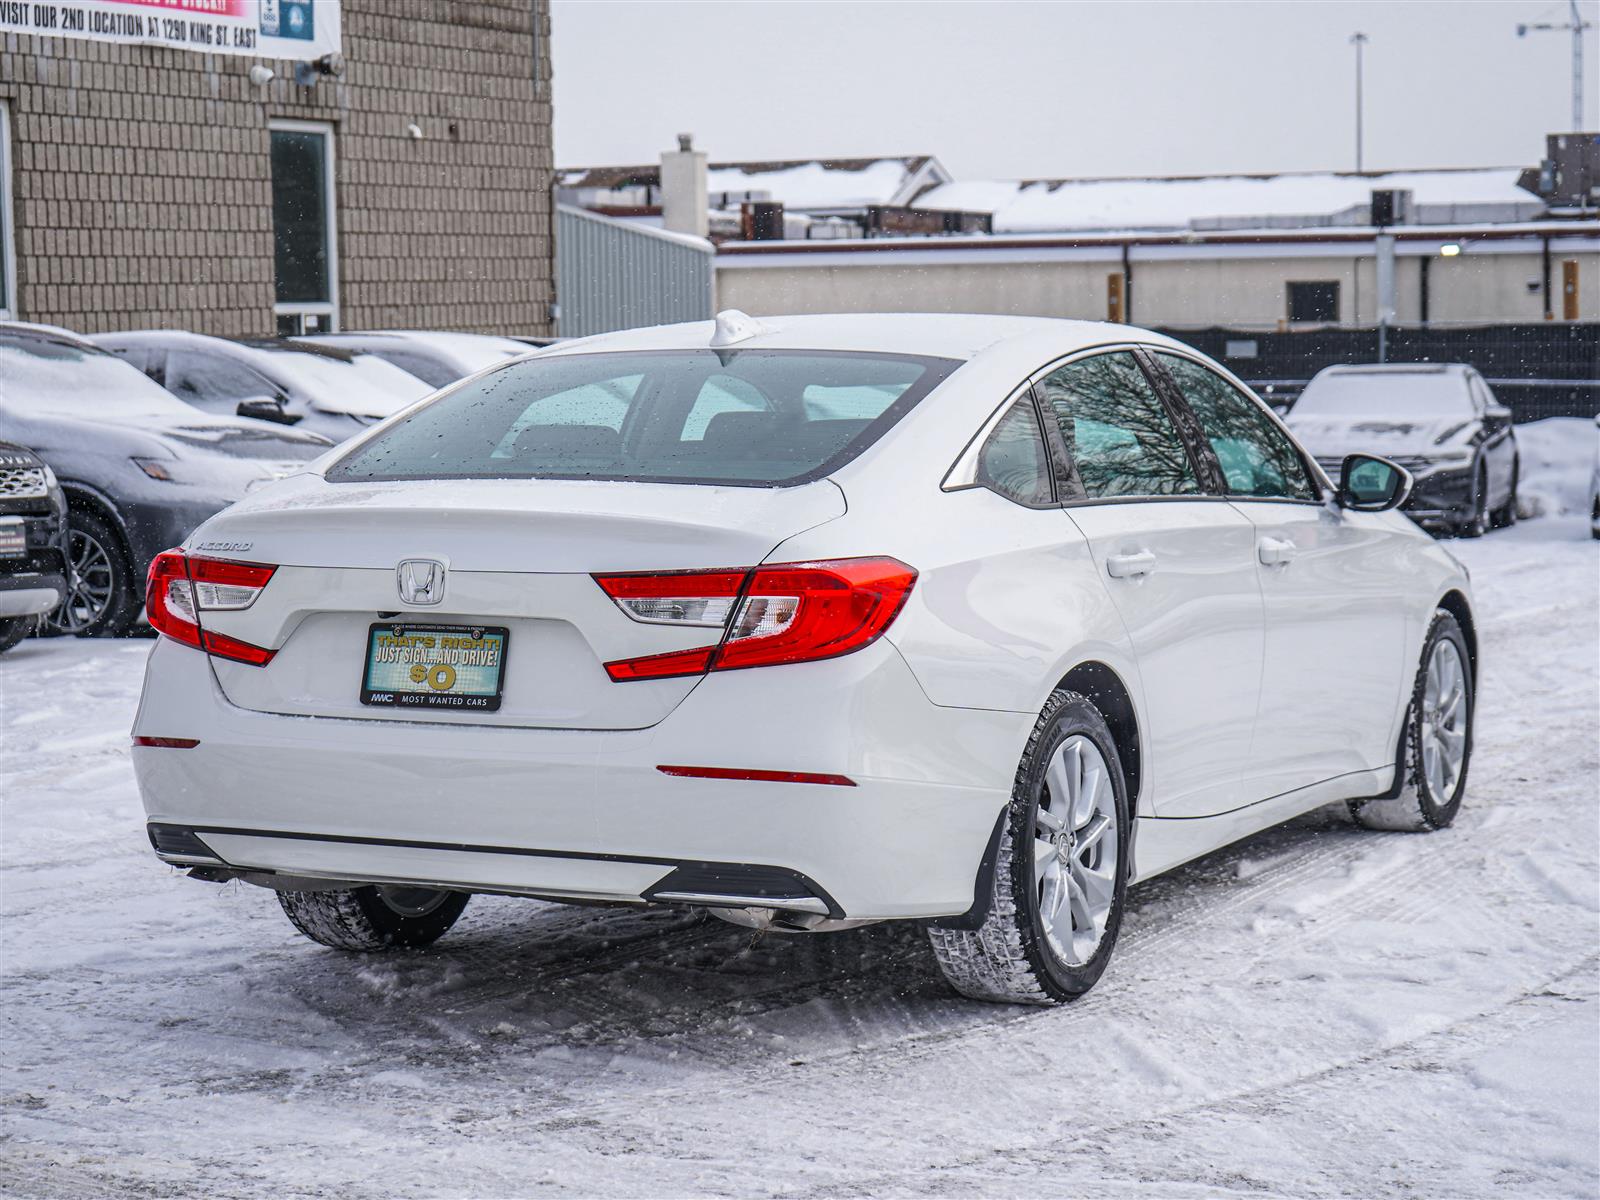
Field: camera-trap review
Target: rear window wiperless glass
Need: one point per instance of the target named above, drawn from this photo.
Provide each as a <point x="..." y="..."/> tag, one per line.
<point x="761" y="418"/>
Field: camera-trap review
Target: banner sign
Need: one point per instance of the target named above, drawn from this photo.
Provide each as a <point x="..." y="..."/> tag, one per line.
<point x="293" y="29"/>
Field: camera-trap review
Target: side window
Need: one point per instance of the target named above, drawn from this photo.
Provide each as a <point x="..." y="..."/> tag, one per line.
<point x="1482" y="397"/>
<point x="1013" y="462"/>
<point x="212" y="379"/>
<point x="1256" y="457"/>
<point x="1115" y="429"/>
<point x="134" y="356"/>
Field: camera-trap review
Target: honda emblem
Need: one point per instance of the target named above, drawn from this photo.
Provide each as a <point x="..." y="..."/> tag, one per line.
<point x="420" y="580"/>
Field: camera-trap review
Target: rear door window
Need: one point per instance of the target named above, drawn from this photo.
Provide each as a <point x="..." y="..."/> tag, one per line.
<point x="1115" y="430"/>
<point x="753" y="417"/>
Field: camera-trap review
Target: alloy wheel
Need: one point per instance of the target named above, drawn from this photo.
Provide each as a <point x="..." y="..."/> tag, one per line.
<point x="1075" y="843"/>
<point x="91" y="585"/>
<point x="1444" y="721"/>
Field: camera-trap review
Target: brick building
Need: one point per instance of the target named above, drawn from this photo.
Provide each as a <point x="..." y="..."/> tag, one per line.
<point x="404" y="181"/>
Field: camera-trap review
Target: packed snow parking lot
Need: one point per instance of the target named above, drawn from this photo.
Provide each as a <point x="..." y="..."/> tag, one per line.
<point x="1316" y="1011"/>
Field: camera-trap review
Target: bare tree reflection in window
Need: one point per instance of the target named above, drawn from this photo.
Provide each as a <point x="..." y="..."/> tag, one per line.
<point x="1256" y="457"/>
<point x="1116" y="429"/>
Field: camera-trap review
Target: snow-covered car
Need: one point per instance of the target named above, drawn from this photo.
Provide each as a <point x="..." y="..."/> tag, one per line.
<point x="33" y="539"/>
<point x="811" y="622"/>
<point x="433" y="357"/>
<point x="326" y="390"/>
<point x="139" y="469"/>
<point x="1439" y="421"/>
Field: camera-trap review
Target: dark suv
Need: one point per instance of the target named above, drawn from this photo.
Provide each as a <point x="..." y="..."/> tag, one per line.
<point x="33" y="535"/>
<point x="140" y="468"/>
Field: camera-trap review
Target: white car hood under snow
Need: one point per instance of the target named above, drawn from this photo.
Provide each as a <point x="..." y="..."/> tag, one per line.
<point x="1335" y="437"/>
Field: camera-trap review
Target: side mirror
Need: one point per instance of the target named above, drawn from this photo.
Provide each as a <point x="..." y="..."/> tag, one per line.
<point x="1368" y="483"/>
<point x="267" y="408"/>
<point x="1496" y="417"/>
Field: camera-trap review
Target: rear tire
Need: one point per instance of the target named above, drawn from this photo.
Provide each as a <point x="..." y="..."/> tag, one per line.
<point x="1477" y="522"/>
<point x="1055" y="905"/>
<point x="1506" y="515"/>
<point x="374" y="918"/>
<point x="1433" y="779"/>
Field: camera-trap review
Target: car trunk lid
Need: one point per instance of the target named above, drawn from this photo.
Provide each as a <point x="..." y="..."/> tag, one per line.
<point x="516" y="555"/>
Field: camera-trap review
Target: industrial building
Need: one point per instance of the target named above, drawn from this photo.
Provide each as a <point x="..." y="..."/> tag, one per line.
<point x="1467" y="246"/>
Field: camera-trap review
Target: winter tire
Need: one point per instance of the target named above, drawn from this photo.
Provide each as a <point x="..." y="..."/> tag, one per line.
<point x="14" y="629"/>
<point x="1060" y="872"/>
<point x="1506" y="514"/>
<point x="374" y="917"/>
<point x="1437" y="739"/>
<point x="1477" y="523"/>
<point x="101" y="600"/>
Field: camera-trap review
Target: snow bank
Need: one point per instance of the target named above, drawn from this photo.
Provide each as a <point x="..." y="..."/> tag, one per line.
<point x="1557" y="457"/>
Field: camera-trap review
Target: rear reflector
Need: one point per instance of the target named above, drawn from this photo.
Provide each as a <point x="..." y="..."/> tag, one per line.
<point x="167" y="743"/>
<point x="780" y="613"/>
<point x="759" y="776"/>
<point x="181" y="587"/>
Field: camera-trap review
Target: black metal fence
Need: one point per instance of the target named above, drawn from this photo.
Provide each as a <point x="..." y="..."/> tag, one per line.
<point x="1545" y="370"/>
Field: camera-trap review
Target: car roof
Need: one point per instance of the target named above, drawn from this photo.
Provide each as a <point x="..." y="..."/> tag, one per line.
<point x="936" y="335"/>
<point x="245" y="348"/>
<point x="439" y="338"/>
<point x="54" y="332"/>
<point x="1397" y="369"/>
<point x="154" y="337"/>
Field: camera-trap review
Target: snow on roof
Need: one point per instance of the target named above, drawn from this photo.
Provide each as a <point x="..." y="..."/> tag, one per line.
<point x="1040" y="206"/>
<point x="823" y="183"/>
<point x="816" y="184"/>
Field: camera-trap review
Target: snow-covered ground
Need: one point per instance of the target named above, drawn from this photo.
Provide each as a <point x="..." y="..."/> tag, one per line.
<point x="1318" y="1011"/>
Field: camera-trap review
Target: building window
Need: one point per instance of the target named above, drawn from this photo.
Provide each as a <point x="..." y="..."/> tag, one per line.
<point x="8" y="271"/>
<point x="1314" y="301"/>
<point x="303" y="227"/>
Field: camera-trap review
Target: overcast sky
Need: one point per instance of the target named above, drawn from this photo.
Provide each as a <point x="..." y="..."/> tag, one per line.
<point x="1008" y="88"/>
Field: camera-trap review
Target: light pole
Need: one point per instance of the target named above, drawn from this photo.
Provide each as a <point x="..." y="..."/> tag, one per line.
<point x="1359" y="41"/>
<point x="1577" y="25"/>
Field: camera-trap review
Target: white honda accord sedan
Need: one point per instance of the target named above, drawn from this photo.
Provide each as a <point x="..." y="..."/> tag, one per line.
<point x="809" y="621"/>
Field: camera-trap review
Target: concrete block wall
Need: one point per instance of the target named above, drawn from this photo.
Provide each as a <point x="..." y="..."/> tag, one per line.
<point x="141" y="176"/>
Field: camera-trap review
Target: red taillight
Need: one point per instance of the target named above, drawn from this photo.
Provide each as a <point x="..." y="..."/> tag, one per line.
<point x="180" y="588"/>
<point x="782" y="613"/>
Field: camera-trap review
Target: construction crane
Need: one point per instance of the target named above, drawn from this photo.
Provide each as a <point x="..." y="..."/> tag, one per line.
<point x="1576" y="26"/>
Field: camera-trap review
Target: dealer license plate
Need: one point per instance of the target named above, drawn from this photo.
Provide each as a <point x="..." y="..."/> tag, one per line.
<point x="435" y="666"/>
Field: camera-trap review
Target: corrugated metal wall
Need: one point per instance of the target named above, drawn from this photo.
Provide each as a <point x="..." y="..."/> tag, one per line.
<point x="618" y="275"/>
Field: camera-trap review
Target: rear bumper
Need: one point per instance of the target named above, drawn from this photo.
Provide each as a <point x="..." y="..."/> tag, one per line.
<point x="583" y="814"/>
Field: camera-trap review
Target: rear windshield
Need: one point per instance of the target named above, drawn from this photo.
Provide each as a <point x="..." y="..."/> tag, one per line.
<point x="750" y="417"/>
<point x="1385" y="394"/>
